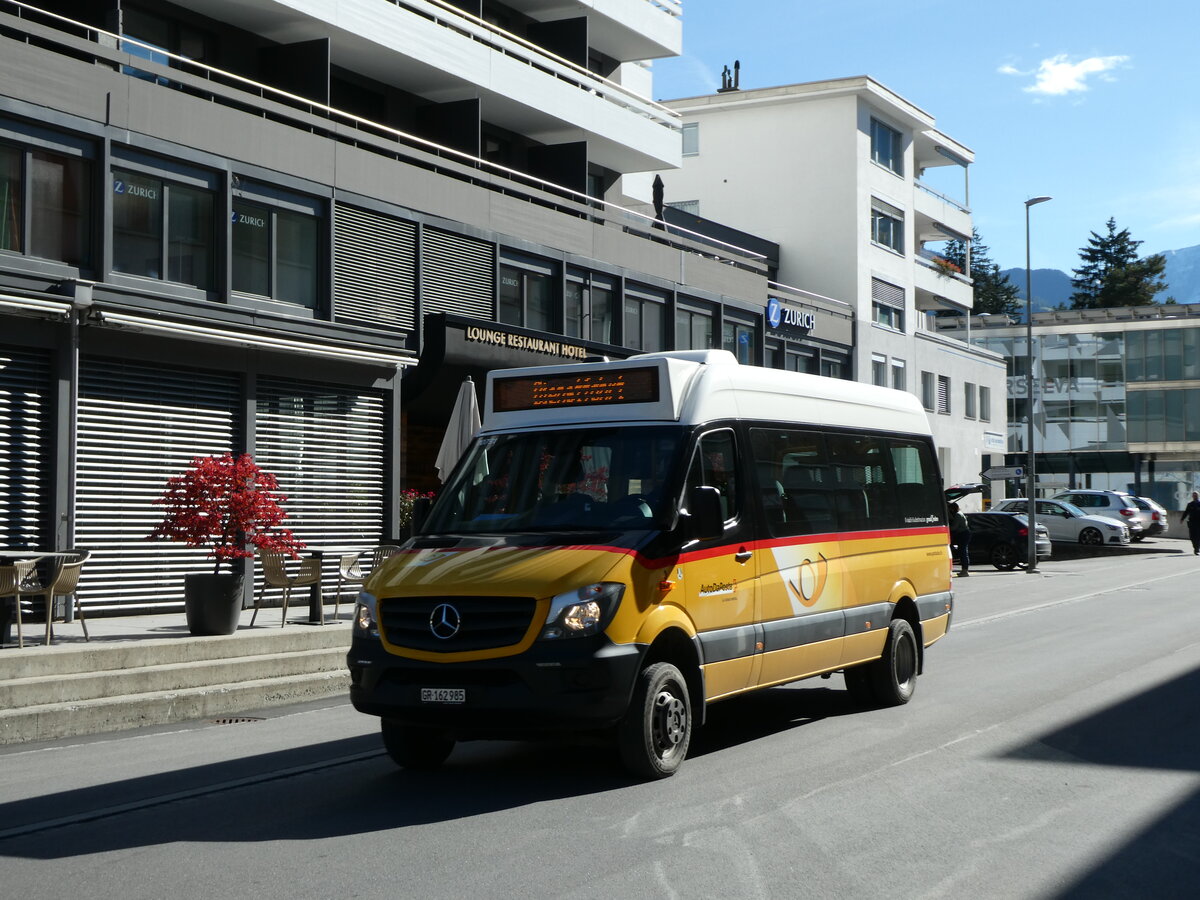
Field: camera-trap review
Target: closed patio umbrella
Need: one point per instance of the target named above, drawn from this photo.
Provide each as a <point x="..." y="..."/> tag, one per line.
<point x="464" y="423"/>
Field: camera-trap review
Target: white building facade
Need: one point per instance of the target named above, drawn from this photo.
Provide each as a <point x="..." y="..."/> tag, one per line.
<point x="860" y="190"/>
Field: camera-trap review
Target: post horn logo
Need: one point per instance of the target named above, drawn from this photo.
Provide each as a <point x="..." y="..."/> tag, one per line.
<point x="812" y="580"/>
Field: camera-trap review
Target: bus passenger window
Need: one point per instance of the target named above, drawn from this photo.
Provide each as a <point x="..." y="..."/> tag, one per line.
<point x="794" y="481"/>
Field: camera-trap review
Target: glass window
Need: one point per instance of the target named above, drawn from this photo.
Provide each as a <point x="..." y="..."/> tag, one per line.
<point x="864" y="489"/>
<point x="899" y="375"/>
<point x="969" y="397"/>
<point x="887" y="228"/>
<point x="985" y="404"/>
<point x="794" y="481"/>
<point x="45" y="204"/>
<point x="714" y="464"/>
<point x="1172" y="355"/>
<point x="527" y="297"/>
<point x="645" y="319"/>
<point x="928" y="394"/>
<point x="739" y="338"/>
<point x="1154" y="356"/>
<point x="276" y="246"/>
<point x="1191" y="414"/>
<point x="1174" y="415"/>
<point x="1135" y="354"/>
<point x="693" y="328"/>
<point x="879" y="370"/>
<point x="691" y="139"/>
<point x="886" y="148"/>
<point x="163" y="229"/>
<point x="918" y="492"/>
<point x="834" y="365"/>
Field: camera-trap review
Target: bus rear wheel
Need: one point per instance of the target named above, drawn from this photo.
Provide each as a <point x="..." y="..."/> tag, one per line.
<point x="415" y="747"/>
<point x="653" y="737"/>
<point x="890" y="680"/>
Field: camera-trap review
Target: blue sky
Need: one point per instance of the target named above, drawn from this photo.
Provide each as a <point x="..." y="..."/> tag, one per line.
<point x="1096" y="104"/>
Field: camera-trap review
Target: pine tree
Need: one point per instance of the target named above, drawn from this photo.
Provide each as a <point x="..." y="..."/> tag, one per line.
<point x="1112" y="275"/>
<point x="994" y="292"/>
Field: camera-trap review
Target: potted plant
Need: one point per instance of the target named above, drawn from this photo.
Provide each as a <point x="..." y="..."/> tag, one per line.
<point x="226" y="505"/>
<point x="412" y="500"/>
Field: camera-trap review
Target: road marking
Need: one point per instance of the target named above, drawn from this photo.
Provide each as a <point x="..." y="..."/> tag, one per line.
<point x="984" y="620"/>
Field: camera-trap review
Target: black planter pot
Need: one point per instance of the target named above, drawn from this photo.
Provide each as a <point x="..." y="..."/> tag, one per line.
<point x="213" y="603"/>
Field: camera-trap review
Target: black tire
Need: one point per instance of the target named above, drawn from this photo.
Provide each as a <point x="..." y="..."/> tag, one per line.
<point x="1005" y="557"/>
<point x="1141" y="536"/>
<point x="653" y="737"/>
<point x="890" y="680"/>
<point x="415" y="747"/>
<point x="1091" y="537"/>
<point x="894" y="675"/>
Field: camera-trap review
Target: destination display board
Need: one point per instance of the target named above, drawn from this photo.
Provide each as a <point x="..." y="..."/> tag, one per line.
<point x="583" y="388"/>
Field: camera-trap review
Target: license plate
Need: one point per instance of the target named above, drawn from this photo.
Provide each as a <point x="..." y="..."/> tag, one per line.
<point x="443" y="695"/>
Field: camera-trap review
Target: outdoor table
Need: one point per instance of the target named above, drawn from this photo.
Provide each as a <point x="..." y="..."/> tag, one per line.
<point x="316" y="599"/>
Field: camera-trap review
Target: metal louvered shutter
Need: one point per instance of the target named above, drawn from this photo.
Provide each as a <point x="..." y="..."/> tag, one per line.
<point x="884" y="292"/>
<point x="138" y="426"/>
<point x="374" y="269"/>
<point x="458" y="275"/>
<point x="26" y="464"/>
<point x="327" y="447"/>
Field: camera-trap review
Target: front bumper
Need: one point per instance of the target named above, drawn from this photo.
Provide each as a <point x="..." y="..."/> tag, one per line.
<point x="569" y="686"/>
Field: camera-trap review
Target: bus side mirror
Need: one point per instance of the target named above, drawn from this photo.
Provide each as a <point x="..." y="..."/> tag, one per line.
<point x="706" y="519"/>
<point x="420" y="512"/>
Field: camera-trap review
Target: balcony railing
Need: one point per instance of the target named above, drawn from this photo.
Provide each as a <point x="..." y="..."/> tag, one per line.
<point x="945" y="199"/>
<point x="79" y="40"/>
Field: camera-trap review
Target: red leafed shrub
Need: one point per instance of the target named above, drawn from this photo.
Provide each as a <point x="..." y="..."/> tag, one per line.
<point x="224" y="504"/>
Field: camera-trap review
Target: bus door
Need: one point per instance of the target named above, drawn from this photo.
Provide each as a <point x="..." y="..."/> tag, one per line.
<point x="720" y="577"/>
<point x="801" y="571"/>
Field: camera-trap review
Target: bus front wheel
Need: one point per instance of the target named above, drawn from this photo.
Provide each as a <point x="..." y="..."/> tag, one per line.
<point x="414" y="747"/>
<point x="653" y="737"/>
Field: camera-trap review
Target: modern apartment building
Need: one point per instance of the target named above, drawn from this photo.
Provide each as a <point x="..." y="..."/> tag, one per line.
<point x="292" y="227"/>
<point x="1116" y="396"/>
<point x="860" y="190"/>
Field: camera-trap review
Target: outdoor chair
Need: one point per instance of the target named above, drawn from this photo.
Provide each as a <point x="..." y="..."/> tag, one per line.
<point x="11" y="578"/>
<point x="62" y="582"/>
<point x="275" y="574"/>
<point x="350" y="568"/>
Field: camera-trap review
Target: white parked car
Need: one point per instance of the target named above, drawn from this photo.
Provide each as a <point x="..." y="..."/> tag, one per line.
<point x="1070" y="524"/>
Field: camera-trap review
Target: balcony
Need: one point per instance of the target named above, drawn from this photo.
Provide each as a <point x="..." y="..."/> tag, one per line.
<point x="623" y="29"/>
<point x="939" y="288"/>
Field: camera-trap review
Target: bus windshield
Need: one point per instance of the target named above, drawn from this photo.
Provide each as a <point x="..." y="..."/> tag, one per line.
<point x="590" y="479"/>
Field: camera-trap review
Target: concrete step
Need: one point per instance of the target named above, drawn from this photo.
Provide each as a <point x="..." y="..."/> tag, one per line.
<point x="60" y="720"/>
<point x="73" y="688"/>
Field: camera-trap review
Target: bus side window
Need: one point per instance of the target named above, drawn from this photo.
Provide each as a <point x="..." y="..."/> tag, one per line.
<point x="917" y="490"/>
<point x="795" y="463"/>
<point x="714" y="464"/>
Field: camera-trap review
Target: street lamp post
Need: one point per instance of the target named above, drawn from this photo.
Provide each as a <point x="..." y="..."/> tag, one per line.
<point x="1030" y="464"/>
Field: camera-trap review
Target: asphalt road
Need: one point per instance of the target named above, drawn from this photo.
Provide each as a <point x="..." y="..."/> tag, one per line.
<point x="1052" y="750"/>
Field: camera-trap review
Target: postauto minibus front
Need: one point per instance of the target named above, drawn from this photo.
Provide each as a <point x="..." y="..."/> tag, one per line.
<point x="517" y="610"/>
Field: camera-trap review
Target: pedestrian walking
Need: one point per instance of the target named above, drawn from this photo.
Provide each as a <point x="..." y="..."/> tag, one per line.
<point x="960" y="539"/>
<point x="1191" y="515"/>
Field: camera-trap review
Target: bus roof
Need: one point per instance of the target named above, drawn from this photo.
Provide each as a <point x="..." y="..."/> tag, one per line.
<point x="689" y="387"/>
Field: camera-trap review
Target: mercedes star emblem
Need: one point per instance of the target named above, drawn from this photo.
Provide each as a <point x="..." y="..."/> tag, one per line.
<point x="445" y="621"/>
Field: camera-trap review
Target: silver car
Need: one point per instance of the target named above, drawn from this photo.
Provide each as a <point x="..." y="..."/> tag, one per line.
<point x="1069" y="524"/>
<point x="1115" y="505"/>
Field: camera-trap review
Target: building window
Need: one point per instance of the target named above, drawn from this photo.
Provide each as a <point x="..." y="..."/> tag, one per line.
<point x="834" y="365"/>
<point x="527" y="293"/>
<point x="985" y="404"/>
<point x="164" y="225"/>
<point x="276" y="239"/>
<point x="887" y="304"/>
<point x="887" y="225"/>
<point x="645" y="317"/>
<point x="928" y="394"/>
<point x="739" y="337"/>
<point x="691" y="207"/>
<point x="46" y="203"/>
<point x="879" y="370"/>
<point x="589" y="307"/>
<point x="943" y="394"/>
<point x="885" y="147"/>
<point x="969" y="400"/>
<point x="691" y="139"/>
<point x="899" y="375"/>
<point x="693" y="326"/>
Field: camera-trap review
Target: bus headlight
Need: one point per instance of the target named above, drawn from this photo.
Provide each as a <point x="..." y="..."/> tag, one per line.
<point x="365" y="623"/>
<point x="582" y="612"/>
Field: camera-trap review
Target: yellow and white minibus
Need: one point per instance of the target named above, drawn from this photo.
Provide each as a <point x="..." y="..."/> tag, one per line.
<point x="625" y="543"/>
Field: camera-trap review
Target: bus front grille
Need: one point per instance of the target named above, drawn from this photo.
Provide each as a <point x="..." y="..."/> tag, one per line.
<point x="455" y="624"/>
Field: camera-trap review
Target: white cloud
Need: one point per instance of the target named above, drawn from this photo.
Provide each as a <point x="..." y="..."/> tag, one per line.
<point x="1058" y="75"/>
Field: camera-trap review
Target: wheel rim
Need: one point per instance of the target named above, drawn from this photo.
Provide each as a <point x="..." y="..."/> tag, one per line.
<point x="905" y="661"/>
<point x="1090" y="536"/>
<point x="668" y="723"/>
<point x="1004" y="556"/>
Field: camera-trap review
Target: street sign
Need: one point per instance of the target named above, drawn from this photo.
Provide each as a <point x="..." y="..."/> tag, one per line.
<point x="996" y="473"/>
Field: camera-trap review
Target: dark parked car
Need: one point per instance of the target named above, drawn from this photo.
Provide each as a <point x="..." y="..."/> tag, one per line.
<point x="1002" y="539"/>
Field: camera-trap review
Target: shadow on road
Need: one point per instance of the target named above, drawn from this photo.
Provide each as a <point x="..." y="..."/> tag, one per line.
<point x="1157" y="729"/>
